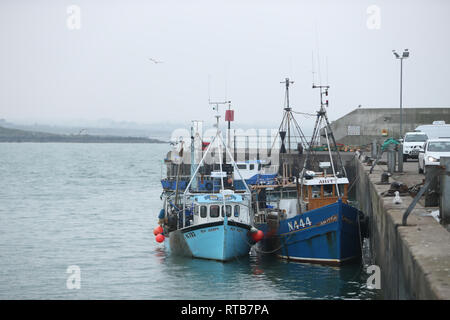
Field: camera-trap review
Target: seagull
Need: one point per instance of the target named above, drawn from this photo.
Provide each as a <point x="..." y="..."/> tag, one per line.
<point x="155" y="61"/>
<point x="397" y="199"/>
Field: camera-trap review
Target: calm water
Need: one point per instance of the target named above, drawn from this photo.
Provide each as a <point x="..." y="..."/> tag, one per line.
<point x="95" y="206"/>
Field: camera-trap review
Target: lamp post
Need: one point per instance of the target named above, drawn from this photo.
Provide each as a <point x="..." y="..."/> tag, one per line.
<point x="405" y="55"/>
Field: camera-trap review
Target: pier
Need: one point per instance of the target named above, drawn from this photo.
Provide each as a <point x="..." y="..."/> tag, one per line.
<point x="414" y="260"/>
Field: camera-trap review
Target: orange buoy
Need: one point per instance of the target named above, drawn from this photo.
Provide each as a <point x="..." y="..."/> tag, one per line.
<point x="160" y="238"/>
<point x="158" y="230"/>
<point x="257" y="236"/>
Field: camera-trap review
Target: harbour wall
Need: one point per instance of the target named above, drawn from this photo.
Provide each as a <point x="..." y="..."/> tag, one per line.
<point x="414" y="260"/>
<point x="363" y="125"/>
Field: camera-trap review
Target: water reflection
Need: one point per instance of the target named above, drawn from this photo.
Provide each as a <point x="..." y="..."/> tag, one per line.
<point x="260" y="277"/>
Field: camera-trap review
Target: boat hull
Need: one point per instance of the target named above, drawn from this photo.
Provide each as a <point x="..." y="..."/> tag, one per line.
<point x="214" y="241"/>
<point x="327" y="235"/>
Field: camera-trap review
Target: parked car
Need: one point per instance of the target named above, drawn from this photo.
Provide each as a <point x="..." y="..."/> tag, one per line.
<point x="434" y="149"/>
<point x="412" y="144"/>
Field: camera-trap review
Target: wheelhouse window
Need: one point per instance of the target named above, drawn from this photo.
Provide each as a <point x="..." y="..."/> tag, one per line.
<point x="242" y="166"/>
<point x="328" y="190"/>
<point x="252" y="166"/>
<point x="236" y="210"/>
<point x="289" y="194"/>
<point x="203" y="211"/>
<point x="228" y="209"/>
<point x="214" y="211"/>
<point x="292" y="195"/>
<point x="273" y="196"/>
<point x="315" y="191"/>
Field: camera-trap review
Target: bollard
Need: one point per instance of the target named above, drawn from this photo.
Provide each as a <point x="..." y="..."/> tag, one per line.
<point x="384" y="178"/>
<point x="391" y="158"/>
<point x="400" y="158"/>
<point x="374" y="149"/>
<point x="444" y="203"/>
<point x="432" y="195"/>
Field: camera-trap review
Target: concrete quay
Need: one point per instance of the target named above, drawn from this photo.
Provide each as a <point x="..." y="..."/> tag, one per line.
<point x="414" y="260"/>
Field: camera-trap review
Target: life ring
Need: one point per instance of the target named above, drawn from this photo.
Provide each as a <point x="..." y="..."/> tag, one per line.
<point x="208" y="186"/>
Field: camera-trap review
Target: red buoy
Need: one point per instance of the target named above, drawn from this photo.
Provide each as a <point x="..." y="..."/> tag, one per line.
<point x="160" y="238"/>
<point x="157" y="230"/>
<point x="257" y="236"/>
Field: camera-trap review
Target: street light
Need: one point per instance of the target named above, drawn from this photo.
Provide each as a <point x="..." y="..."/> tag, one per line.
<point x="405" y="55"/>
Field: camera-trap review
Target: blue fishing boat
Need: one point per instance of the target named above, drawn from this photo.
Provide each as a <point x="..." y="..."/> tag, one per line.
<point x="254" y="172"/>
<point x="307" y="217"/>
<point x="214" y="231"/>
<point x="328" y="235"/>
<point x="327" y="231"/>
<point x="209" y="223"/>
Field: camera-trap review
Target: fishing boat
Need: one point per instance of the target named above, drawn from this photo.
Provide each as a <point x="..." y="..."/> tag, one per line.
<point x="306" y="217"/>
<point x="205" y="222"/>
<point x="254" y="172"/>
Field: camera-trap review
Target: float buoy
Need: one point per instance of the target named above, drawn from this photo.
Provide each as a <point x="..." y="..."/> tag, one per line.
<point x="160" y="238"/>
<point x="257" y="236"/>
<point x="158" y="230"/>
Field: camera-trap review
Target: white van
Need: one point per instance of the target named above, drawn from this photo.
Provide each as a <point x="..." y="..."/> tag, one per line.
<point x="439" y="129"/>
<point x="412" y="144"/>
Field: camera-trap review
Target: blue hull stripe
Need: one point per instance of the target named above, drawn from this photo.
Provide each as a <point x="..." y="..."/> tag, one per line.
<point x="329" y="234"/>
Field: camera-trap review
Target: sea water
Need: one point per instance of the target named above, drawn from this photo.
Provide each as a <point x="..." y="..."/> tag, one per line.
<point x="92" y="208"/>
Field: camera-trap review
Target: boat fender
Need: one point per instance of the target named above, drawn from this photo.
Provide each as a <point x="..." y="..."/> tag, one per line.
<point x="257" y="236"/>
<point x="160" y="238"/>
<point x="161" y="214"/>
<point x="158" y="230"/>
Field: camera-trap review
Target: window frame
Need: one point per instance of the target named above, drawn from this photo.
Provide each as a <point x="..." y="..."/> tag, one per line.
<point x="215" y="206"/>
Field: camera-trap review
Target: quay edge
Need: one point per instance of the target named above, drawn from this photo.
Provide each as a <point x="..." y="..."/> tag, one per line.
<point x="414" y="260"/>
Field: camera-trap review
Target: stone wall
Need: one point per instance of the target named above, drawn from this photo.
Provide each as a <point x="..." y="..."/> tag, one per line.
<point x="414" y="259"/>
<point x="371" y="122"/>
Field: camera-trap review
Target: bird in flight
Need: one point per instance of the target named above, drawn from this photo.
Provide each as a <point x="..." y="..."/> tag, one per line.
<point x="155" y="61"/>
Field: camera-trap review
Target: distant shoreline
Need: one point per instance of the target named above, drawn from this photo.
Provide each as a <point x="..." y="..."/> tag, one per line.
<point x="129" y="142"/>
<point x="8" y="135"/>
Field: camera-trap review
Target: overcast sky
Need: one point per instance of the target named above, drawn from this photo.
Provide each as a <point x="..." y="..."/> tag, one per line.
<point x="52" y="71"/>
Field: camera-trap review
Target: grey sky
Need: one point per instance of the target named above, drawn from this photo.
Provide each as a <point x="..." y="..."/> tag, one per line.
<point x="51" y="73"/>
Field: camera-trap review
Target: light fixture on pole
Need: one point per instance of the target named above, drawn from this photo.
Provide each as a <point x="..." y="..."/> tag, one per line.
<point x="405" y="55"/>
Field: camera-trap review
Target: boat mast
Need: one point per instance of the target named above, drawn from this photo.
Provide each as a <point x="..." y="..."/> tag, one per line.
<point x="180" y="155"/>
<point x="288" y="112"/>
<point x="218" y="138"/>
<point x="288" y="122"/>
<point x="195" y="133"/>
<point x="322" y="117"/>
<point x="329" y="131"/>
<point x="216" y="107"/>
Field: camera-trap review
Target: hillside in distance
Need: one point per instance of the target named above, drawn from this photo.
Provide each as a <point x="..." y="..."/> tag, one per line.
<point x="17" y="135"/>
